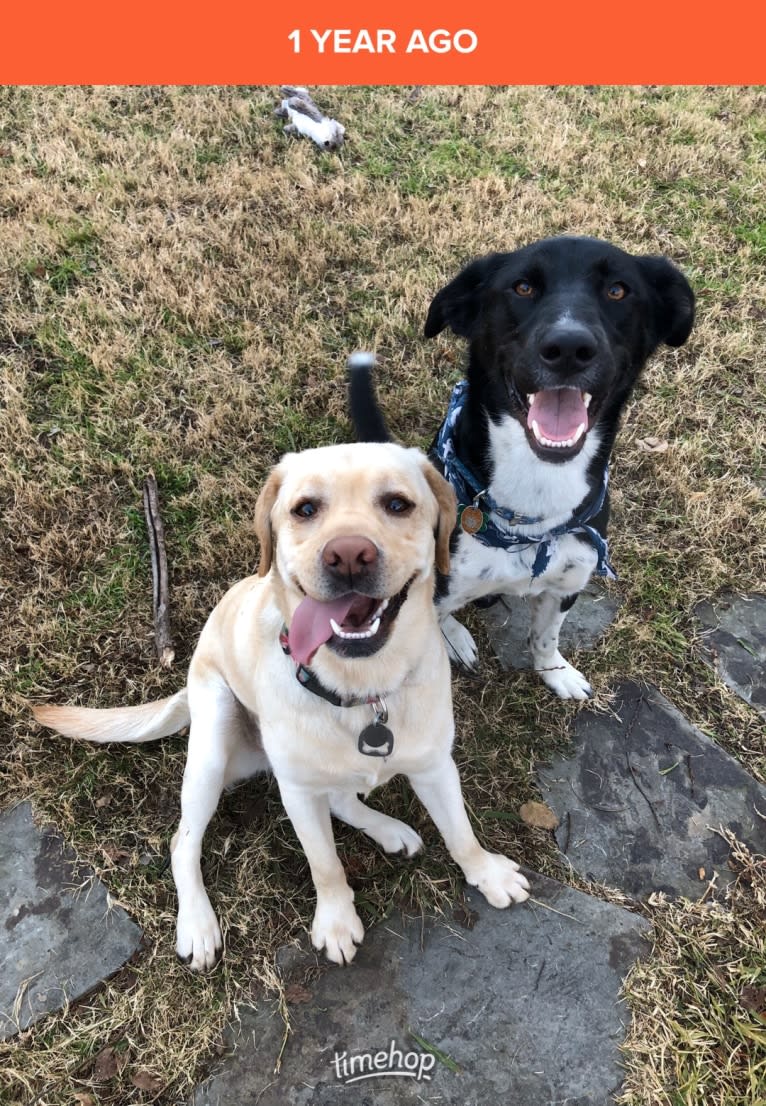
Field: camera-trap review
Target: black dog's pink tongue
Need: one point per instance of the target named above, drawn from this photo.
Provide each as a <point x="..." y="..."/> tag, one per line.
<point x="558" y="413"/>
<point x="311" y="627"/>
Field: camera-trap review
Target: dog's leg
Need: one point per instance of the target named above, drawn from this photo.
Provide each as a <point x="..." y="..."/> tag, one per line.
<point x="548" y="612"/>
<point x="394" y="836"/>
<point x="497" y="877"/>
<point x="214" y="739"/>
<point x="461" y="648"/>
<point x="336" y="927"/>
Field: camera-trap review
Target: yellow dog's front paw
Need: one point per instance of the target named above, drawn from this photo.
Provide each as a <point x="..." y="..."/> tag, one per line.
<point x="499" y="880"/>
<point x="198" y="935"/>
<point x="337" y="929"/>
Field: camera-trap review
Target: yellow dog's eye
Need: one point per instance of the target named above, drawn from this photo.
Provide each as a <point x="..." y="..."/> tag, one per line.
<point x="397" y="505"/>
<point x="307" y="508"/>
<point x="617" y="291"/>
<point x="523" y="288"/>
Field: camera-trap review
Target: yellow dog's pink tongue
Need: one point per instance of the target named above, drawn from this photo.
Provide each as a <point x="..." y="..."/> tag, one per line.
<point x="558" y="413"/>
<point x="311" y="627"/>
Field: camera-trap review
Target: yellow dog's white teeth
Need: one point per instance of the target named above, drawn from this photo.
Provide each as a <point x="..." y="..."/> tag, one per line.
<point x="558" y="445"/>
<point x="362" y="634"/>
<point x="586" y="398"/>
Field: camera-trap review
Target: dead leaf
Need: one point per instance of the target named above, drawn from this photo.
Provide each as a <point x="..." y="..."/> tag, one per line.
<point x="145" y="1081"/>
<point x="464" y="916"/>
<point x="753" y="998"/>
<point x="296" y="993"/>
<point x="116" y="854"/>
<point x="84" y="1099"/>
<point x="538" y="815"/>
<point x="653" y="445"/>
<point x="701" y="873"/>
<point x="107" y="1064"/>
<point x="105" y="799"/>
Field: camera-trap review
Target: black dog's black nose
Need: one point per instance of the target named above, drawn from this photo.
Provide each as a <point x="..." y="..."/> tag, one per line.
<point x="567" y="347"/>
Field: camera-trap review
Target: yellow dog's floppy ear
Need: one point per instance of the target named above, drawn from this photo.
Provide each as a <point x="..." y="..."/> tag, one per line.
<point x="263" y="530"/>
<point x="445" y="497"/>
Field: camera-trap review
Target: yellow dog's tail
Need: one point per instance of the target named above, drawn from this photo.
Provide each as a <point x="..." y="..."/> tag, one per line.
<point x="145" y="723"/>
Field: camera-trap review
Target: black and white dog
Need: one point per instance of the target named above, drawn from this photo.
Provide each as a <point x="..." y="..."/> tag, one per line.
<point x="559" y="332"/>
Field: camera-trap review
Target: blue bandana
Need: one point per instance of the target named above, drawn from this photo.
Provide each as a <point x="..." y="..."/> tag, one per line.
<point x="470" y="493"/>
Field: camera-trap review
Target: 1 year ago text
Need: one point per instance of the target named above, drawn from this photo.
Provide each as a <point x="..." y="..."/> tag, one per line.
<point x="383" y="41"/>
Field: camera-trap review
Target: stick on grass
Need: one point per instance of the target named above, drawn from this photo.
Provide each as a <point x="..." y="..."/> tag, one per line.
<point x="162" y="636"/>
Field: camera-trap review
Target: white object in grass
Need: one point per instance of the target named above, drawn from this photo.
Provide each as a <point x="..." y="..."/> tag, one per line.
<point x="306" y="118"/>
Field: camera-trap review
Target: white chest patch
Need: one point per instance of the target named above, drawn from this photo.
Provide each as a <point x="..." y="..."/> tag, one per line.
<point x="537" y="489"/>
<point x="529" y="486"/>
<point x="478" y="570"/>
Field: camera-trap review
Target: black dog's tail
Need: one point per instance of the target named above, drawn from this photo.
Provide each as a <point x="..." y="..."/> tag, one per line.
<point x="366" y="416"/>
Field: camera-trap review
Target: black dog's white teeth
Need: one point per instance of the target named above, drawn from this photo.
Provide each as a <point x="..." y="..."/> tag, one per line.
<point x="586" y="398"/>
<point x="558" y="445"/>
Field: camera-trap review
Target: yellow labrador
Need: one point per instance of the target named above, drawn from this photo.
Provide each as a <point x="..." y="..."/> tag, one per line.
<point x="350" y="535"/>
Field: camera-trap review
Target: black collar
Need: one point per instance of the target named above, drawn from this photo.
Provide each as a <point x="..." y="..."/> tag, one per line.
<point x="308" y="679"/>
<point x="375" y="739"/>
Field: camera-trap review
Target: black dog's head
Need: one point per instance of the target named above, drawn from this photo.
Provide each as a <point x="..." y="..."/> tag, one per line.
<point x="559" y="332"/>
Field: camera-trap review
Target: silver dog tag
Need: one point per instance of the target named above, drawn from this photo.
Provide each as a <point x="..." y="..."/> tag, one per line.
<point x="376" y="740"/>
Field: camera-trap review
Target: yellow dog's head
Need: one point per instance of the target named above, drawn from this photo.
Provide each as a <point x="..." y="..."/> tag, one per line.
<point x="350" y="532"/>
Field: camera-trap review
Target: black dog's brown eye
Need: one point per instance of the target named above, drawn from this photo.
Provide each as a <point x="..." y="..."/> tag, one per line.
<point x="617" y="291"/>
<point x="523" y="288"/>
<point x="397" y="505"/>
<point x="307" y="508"/>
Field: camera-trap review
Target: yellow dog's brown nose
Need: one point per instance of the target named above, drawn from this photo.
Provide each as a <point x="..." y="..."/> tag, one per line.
<point x="349" y="555"/>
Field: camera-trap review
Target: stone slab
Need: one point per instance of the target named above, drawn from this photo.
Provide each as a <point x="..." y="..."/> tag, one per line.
<point x="734" y="642"/>
<point x="642" y="795"/>
<point x="508" y="625"/>
<point x="525" y="1002"/>
<point x="59" y="936"/>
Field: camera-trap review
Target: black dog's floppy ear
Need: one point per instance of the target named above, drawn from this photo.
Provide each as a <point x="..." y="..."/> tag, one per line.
<point x="672" y="300"/>
<point x="457" y="305"/>
<point x="366" y="415"/>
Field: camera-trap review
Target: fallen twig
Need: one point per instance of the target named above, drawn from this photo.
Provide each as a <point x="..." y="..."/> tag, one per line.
<point x="162" y="637"/>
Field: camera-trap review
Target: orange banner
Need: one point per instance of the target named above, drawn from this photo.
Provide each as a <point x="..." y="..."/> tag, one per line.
<point x="244" y="42"/>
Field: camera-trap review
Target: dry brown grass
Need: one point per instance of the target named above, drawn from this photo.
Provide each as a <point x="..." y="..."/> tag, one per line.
<point x="180" y="287"/>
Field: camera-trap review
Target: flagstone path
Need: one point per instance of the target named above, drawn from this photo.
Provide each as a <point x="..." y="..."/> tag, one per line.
<point x="60" y="935"/>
